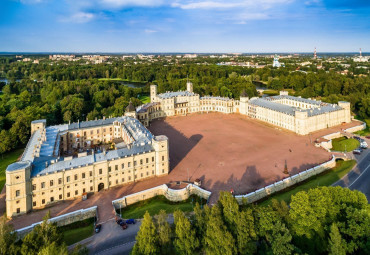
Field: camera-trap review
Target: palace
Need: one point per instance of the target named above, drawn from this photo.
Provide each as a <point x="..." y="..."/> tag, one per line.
<point x="296" y="114"/>
<point x="67" y="161"/>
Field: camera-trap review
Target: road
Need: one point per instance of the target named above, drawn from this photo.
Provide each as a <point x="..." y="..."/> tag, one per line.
<point x="113" y="240"/>
<point x="359" y="177"/>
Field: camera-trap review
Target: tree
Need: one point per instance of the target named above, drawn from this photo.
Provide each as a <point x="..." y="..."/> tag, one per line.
<point x="336" y="246"/>
<point x="280" y="240"/>
<point x="246" y="233"/>
<point x="230" y="209"/>
<point x="53" y="249"/>
<point x="163" y="230"/>
<point x="7" y="238"/>
<point x="146" y="238"/>
<point x="218" y="240"/>
<point x="41" y="236"/>
<point x="185" y="241"/>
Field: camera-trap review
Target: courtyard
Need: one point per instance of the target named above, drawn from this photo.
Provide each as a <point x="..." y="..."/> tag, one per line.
<point x="234" y="152"/>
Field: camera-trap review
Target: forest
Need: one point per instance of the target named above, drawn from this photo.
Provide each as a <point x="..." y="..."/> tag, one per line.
<point x="324" y="220"/>
<point x="69" y="91"/>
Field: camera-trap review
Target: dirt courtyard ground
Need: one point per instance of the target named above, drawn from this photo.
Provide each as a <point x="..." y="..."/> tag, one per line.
<point x="234" y="152"/>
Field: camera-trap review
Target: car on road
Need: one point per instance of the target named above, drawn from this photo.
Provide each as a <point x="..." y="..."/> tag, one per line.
<point x="122" y="223"/>
<point x="97" y="228"/>
<point x="368" y="137"/>
<point x="357" y="151"/>
<point x="131" y="221"/>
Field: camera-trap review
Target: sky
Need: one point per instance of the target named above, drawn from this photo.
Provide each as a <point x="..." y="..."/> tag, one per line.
<point x="203" y="26"/>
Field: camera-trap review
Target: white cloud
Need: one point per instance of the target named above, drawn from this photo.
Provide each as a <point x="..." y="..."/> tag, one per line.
<point x="221" y="4"/>
<point x="79" y="17"/>
<point x="131" y="3"/>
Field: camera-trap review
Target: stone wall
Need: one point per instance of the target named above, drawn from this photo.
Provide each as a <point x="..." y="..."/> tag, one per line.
<point x="63" y="220"/>
<point x="171" y="194"/>
<point x="285" y="183"/>
<point x="356" y="128"/>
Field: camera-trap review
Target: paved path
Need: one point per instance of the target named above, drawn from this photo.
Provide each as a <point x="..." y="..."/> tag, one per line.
<point x="359" y="177"/>
<point x="113" y="240"/>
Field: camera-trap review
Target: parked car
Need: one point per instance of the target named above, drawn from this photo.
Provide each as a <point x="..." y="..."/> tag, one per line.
<point x="357" y="138"/>
<point x="357" y="151"/>
<point x="368" y="137"/>
<point x="122" y="223"/>
<point x="363" y="145"/>
<point x="97" y="228"/>
<point x="131" y="221"/>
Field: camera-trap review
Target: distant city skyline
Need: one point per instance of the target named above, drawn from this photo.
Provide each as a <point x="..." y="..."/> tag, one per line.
<point x="199" y="26"/>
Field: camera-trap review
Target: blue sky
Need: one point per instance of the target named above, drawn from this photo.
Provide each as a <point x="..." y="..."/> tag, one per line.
<point x="184" y="25"/>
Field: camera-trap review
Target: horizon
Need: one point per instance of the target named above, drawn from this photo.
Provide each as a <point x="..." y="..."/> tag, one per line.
<point x="184" y="26"/>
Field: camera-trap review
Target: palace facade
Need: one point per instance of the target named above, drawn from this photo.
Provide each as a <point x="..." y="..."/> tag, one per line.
<point x="67" y="161"/>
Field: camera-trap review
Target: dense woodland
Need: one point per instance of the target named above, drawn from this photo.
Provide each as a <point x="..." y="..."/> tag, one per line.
<point x="325" y="220"/>
<point x="70" y="91"/>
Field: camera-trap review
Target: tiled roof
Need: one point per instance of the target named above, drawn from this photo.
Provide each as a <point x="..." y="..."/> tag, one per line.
<point x="176" y="94"/>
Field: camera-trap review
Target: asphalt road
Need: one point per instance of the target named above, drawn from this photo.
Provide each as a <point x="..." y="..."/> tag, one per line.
<point x="113" y="240"/>
<point x="359" y="177"/>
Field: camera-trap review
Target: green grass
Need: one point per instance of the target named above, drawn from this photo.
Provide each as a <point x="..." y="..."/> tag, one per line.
<point x="366" y="131"/>
<point x="271" y="92"/>
<point x="144" y="99"/>
<point x="155" y="204"/>
<point x="324" y="179"/>
<point x="6" y="160"/>
<point x="344" y="144"/>
<point x="77" y="231"/>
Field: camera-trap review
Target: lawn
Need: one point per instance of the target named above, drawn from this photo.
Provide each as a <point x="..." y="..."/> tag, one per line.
<point x="77" y="231"/>
<point x="144" y="99"/>
<point x="155" y="204"/>
<point x="271" y="92"/>
<point x="344" y="144"/>
<point x="6" y="160"/>
<point x="325" y="179"/>
<point x="366" y="131"/>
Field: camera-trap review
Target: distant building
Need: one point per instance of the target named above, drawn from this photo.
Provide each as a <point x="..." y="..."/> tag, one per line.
<point x="276" y="62"/>
<point x="361" y="58"/>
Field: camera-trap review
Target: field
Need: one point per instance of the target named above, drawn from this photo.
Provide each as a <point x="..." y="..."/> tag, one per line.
<point x="325" y="179"/>
<point x="5" y="160"/>
<point x="233" y="152"/>
<point x="344" y="144"/>
<point x="155" y="204"/>
<point x="144" y="99"/>
<point x="77" y="231"/>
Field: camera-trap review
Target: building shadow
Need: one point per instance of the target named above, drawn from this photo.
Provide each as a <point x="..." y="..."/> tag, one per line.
<point x="180" y="145"/>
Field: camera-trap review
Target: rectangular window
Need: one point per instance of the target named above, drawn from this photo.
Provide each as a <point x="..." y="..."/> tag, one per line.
<point x="60" y="181"/>
<point x="141" y="161"/>
<point x="60" y="196"/>
<point x="116" y="181"/>
<point x="100" y="171"/>
<point x="91" y="188"/>
<point x="109" y="169"/>
<point x="83" y="175"/>
<point x="83" y="190"/>
<point x="129" y="164"/>
<point x="129" y="178"/>
<point x="51" y="183"/>
<point x="122" y="166"/>
<point x="34" y="203"/>
<point x="152" y="159"/>
<point x="68" y="178"/>
<point x="18" y="210"/>
<point x="76" y="192"/>
<point x="90" y="173"/>
<point x="75" y="177"/>
<point x="135" y="163"/>
<point x="43" y="185"/>
<point x="34" y="187"/>
<point x="162" y="158"/>
<point x="51" y="199"/>
<point x="116" y="167"/>
<point x="68" y="194"/>
<point x="17" y="193"/>
<point x="147" y="160"/>
<point x="123" y="179"/>
<point x="147" y="173"/>
<point x="141" y="174"/>
<point x="91" y="132"/>
<point x="152" y="171"/>
<point x="43" y="201"/>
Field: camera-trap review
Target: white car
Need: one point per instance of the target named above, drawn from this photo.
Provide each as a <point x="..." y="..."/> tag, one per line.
<point x="363" y="145"/>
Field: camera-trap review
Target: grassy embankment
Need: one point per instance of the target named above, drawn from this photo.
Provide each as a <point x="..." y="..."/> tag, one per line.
<point x="77" y="231"/>
<point x="6" y="160"/>
<point x="144" y="99"/>
<point x="271" y="92"/>
<point x="366" y="131"/>
<point x="155" y="204"/>
<point x="325" y="179"/>
<point x="344" y="144"/>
